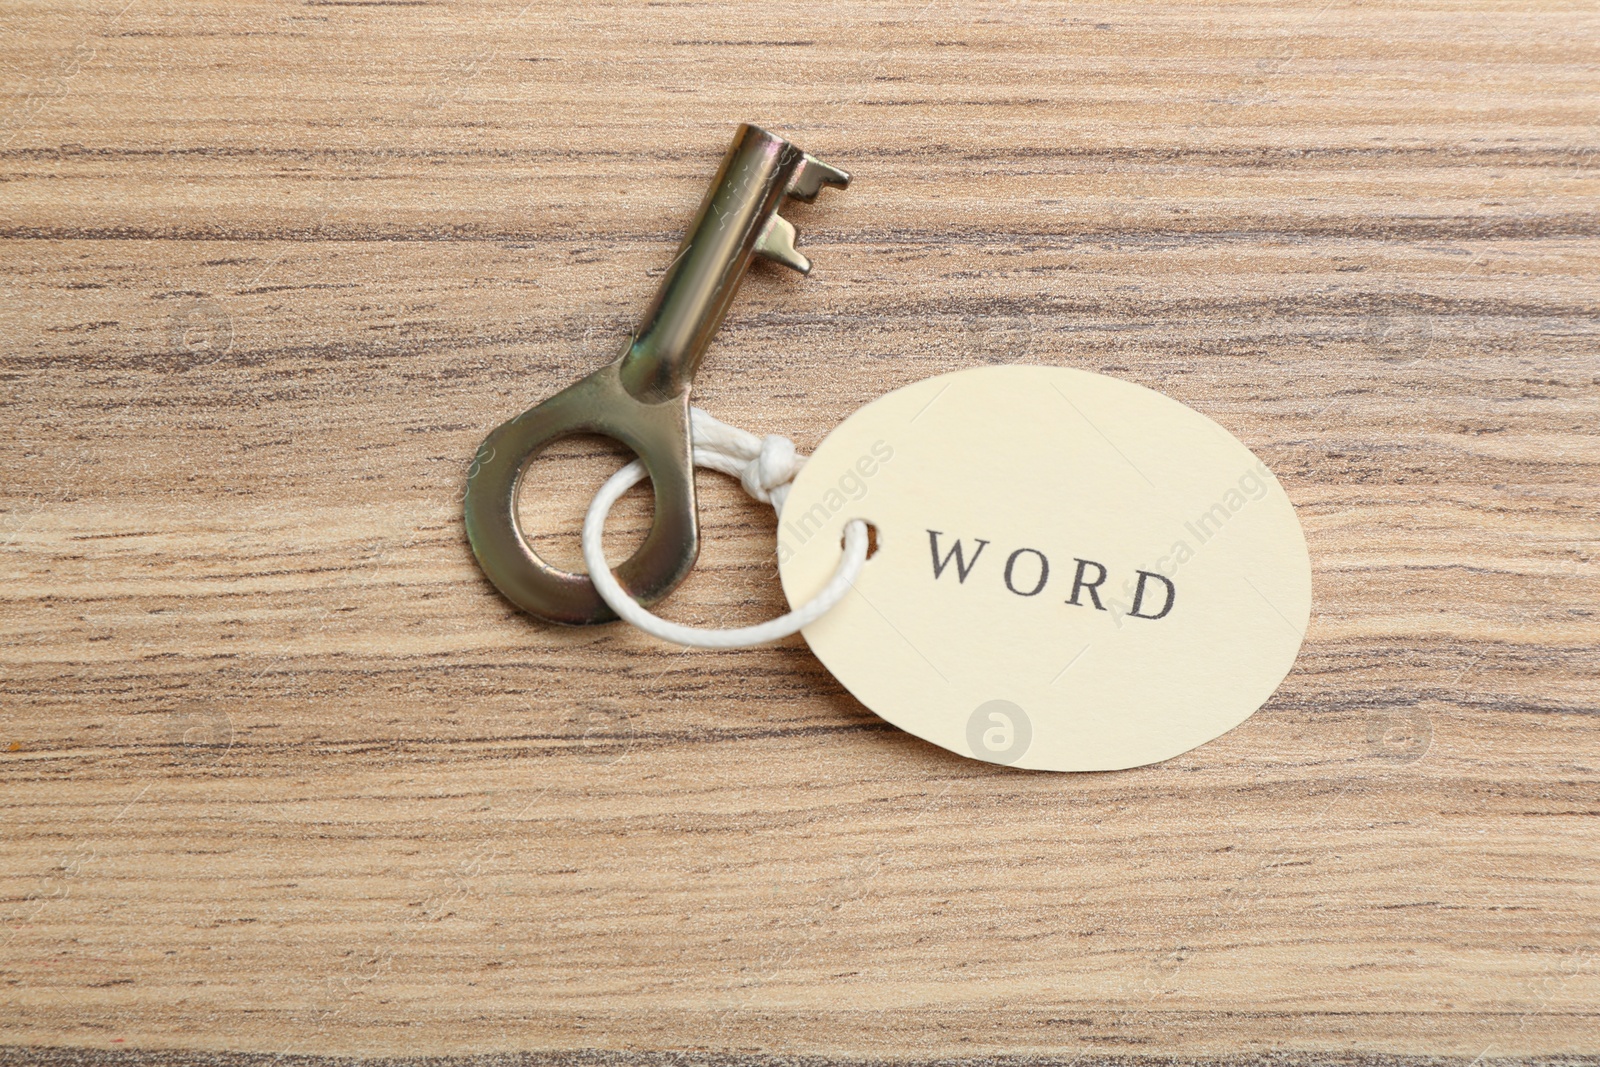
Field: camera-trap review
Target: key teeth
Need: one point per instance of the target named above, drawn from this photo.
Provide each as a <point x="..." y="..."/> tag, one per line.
<point x="812" y="175"/>
<point x="777" y="244"/>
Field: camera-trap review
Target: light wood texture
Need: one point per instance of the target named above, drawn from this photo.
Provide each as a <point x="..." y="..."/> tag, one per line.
<point x="284" y="775"/>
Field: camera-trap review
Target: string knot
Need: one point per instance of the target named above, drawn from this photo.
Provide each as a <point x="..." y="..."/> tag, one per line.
<point x="767" y="477"/>
<point x="765" y="466"/>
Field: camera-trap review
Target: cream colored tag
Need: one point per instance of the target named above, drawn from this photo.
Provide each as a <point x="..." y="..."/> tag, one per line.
<point x="1073" y="572"/>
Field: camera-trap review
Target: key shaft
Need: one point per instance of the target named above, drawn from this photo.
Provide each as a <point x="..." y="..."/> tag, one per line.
<point x="737" y="220"/>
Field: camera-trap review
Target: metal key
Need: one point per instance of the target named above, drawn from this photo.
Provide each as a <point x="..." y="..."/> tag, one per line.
<point x="642" y="399"/>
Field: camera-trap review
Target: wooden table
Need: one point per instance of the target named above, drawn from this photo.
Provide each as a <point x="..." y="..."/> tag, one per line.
<point x="284" y="775"/>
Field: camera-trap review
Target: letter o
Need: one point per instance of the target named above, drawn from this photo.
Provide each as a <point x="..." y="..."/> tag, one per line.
<point x="1044" y="571"/>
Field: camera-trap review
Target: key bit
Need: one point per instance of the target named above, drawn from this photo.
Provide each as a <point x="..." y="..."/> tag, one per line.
<point x="778" y="238"/>
<point x="777" y="244"/>
<point x="812" y="175"/>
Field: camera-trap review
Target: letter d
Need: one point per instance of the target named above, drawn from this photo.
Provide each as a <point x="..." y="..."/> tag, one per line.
<point x="1138" y="596"/>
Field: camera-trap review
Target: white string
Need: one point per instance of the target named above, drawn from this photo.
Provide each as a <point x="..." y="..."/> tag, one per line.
<point x="766" y="467"/>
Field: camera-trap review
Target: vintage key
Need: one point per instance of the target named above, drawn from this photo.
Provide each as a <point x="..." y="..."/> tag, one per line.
<point x="642" y="399"/>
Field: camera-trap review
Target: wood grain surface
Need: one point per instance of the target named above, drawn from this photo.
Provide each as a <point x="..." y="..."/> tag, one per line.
<point x="285" y="776"/>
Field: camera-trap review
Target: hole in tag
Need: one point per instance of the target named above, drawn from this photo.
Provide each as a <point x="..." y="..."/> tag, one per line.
<point x="872" y="541"/>
<point x="556" y="489"/>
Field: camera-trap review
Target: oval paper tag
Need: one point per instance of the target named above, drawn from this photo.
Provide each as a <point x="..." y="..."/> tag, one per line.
<point x="1073" y="572"/>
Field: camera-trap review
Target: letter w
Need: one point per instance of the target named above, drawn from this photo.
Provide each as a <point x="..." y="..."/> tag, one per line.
<point x="963" y="565"/>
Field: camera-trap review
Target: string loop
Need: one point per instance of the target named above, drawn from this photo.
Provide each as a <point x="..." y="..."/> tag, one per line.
<point x="766" y="467"/>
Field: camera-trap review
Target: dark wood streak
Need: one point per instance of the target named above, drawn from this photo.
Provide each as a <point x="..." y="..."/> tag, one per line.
<point x="1243" y="231"/>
